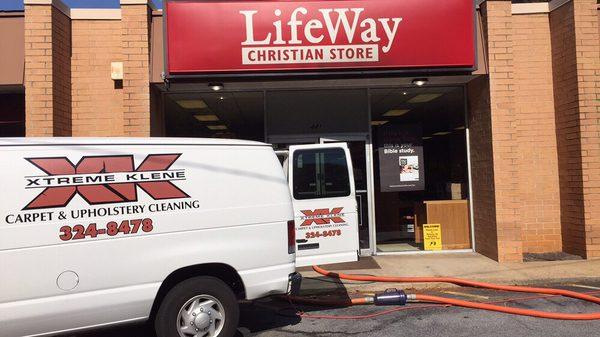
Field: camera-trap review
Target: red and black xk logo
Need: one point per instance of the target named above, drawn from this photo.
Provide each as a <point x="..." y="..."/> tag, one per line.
<point x="323" y="216"/>
<point x="101" y="190"/>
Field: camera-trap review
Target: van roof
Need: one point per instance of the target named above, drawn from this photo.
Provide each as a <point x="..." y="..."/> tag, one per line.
<point x="47" y="141"/>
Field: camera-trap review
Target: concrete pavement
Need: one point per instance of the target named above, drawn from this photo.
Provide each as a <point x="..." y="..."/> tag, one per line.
<point x="276" y="318"/>
<point x="470" y="266"/>
<point x="273" y="318"/>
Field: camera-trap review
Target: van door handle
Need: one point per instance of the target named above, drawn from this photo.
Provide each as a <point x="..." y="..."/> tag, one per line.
<point x="302" y="241"/>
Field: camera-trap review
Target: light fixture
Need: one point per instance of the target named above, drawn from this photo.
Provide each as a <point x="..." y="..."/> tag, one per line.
<point x="442" y="133"/>
<point x="424" y="98"/>
<point x="396" y="112"/>
<point x="419" y="82"/>
<point x="378" y="123"/>
<point x="459" y="128"/>
<point x="404" y="93"/>
<point x="427" y="137"/>
<point x="221" y="98"/>
<point x="116" y="71"/>
<point x="217" y="127"/>
<point x="192" y="104"/>
<point x="206" y="118"/>
<point x="216" y="86"/>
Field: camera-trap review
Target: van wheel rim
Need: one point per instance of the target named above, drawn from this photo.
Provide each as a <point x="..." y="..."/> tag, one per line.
<point x="201" y="316"/>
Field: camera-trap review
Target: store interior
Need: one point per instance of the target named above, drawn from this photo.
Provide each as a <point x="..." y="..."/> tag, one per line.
<point x="308" y="115"/>
<point x="438" y="115"/>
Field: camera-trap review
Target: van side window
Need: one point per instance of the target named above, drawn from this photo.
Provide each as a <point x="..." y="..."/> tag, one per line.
<point x="320" y="173"/>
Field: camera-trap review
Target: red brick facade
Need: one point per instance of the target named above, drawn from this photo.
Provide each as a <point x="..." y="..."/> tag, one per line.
<point x="576" y="71"/>
<point x="47" y="71"/>
<point x="135" y="29"/>
<point x="96" y="44"/>
<point x="534" y="119"/>
<point x="539" y="209"/>
<point x="482" y="163"/>
<point x="541" y="124"/>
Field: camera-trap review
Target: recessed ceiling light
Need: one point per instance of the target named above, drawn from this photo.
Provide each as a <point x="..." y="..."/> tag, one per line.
<point x="404" y="93"/>
<point x="206" y="118"/>
<point x="377" y="123"/>
<point x="419" y="82"/>
<point x="396" y="112"/>
<point x="192" y="104"/>
<point x="442" y="133"/>
<point x="215" y="86"/>
<point x="217" y="127"/>
<point x="424" y="98"/>
<point x="459" y="128"/>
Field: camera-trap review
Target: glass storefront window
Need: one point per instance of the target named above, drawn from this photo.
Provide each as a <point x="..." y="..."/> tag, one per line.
<point x="420" y="167"/>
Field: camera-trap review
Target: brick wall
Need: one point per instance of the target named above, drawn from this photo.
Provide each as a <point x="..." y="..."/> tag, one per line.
<point x="544" y="132"/>
<point x="565" y="73"/>
<point x="587" y="39"/>
<point x="537" y="161"/>
<point x="136" y="69"/>
<point x="499" y="31"/>
<point x="97" y="99"/>
<point x="38" y="70"/>
<point x="482" y="167"/>
<point x="47" y="71"/>
<point x="73" y="94"/>
<point x="590" y="102"/>
<point x="576" y="57"/>
<point x="61" y="70"/>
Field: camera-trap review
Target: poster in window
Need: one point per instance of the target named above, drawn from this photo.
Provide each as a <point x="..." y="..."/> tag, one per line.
<point x="401" y="158"/>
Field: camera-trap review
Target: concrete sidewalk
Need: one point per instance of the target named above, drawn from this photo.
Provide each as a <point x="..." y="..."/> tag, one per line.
<point x="470" y="266"/>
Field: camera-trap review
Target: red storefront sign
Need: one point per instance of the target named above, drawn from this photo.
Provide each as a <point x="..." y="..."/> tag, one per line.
<point x="240" y="36"/>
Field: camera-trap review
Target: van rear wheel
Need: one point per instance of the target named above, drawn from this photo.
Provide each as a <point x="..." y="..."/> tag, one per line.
<point x="198" y="307"/>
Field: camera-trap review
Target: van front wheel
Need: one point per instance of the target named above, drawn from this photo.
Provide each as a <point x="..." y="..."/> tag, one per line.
<point x="198" y="307"/>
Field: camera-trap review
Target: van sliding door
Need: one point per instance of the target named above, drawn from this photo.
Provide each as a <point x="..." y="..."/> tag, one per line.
<point x="325" y="211"/>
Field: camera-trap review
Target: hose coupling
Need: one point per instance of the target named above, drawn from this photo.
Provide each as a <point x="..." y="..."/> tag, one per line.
<point x="391" y="297"/>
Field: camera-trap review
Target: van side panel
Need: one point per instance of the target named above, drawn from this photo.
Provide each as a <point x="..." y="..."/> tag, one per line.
<point x="68" y="217"/>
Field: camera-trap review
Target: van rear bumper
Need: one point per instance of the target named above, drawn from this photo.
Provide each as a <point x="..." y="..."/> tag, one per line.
<point x="294" y="284"/>
<point x="272" y="280"/>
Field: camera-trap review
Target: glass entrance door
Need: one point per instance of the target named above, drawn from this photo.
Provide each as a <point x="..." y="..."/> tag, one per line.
<point x="360" y="153"/>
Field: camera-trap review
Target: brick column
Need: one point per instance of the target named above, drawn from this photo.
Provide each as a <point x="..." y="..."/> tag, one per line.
<point x="498" y="25"/>
<point x="587" y="43"/>
<point x="576" y="72"/>
<point x="47" y="68"/>
<point x="539" y="216"/>
<point x="135" y="30"/>
<point x="482" y="167"/>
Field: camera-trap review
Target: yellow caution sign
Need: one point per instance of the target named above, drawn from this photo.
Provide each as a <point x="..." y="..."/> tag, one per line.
<point x="432" y="236"/>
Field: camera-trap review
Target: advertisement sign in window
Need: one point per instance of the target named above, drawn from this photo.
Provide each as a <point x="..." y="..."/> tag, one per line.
<point x="401" y="158"/>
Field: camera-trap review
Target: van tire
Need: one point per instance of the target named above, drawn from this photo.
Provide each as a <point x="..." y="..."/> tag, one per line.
<point x="167" y="323"/>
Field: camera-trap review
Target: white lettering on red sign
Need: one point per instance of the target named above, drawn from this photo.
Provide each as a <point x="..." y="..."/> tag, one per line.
<point x="364" y="36"/>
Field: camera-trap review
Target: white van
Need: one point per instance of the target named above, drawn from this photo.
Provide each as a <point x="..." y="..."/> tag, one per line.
<point x="97" y="232"/>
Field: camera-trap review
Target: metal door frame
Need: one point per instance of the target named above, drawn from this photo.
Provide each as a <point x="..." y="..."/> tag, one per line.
<point x="366" y="137"/>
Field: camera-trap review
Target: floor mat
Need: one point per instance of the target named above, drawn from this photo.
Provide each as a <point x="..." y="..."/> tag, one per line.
<point x="364" y="263"/>
<point x="396" y="247"/>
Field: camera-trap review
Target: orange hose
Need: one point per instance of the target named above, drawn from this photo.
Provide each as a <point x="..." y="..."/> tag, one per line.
<point x="508" y="310"/>
<point x="327" y="302"/>
<point x="476" y="305"/>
